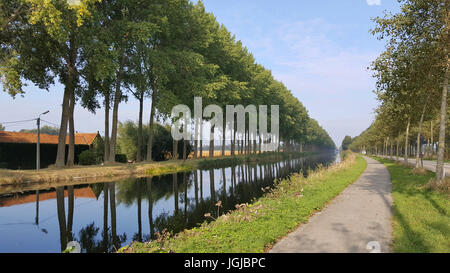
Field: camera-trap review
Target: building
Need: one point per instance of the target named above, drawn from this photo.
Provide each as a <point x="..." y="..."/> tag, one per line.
<point x="18" y="150"/>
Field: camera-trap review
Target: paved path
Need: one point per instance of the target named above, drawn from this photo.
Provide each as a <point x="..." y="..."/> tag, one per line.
<point x="359" y="215"/>
<point x="427" y="164"/>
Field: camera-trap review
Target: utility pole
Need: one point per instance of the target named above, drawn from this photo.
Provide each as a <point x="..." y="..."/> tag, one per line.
<point x="38" y="144"/>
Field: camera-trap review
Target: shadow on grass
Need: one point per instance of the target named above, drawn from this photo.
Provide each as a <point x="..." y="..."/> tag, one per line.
<point x="410" y="241"/>
<point x="421" y="214"/>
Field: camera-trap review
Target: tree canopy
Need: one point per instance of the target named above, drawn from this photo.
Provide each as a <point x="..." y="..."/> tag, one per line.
<point x="106" y="52"/>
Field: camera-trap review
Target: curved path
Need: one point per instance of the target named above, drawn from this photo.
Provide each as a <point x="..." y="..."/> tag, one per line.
<point x="358" y="220"/>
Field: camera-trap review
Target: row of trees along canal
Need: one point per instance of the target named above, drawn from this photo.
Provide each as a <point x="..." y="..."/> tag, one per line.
<point x="107" y="52"/>
<point x="412" y="83"/>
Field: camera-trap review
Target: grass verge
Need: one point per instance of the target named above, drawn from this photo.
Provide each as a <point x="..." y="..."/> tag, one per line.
<point x="421" y="214"/>
<point x="254" y="228"/>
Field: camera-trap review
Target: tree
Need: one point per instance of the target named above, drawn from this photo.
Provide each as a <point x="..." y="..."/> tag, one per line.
<point x="44" y="130"/>
<point x="162" y="141"/>
<point x="423" y="25"/>
<point x="346" y="142"/>
<point x="2" y="128"/>
<point x="56" y="29"/>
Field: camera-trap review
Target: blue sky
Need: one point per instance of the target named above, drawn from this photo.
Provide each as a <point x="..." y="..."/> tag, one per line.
<point x="319" y="49"/>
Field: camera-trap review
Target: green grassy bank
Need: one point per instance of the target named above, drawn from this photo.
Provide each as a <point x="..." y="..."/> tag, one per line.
<point x="256" y="227"/>
<point x="221" y="162"/>
<point x="421" y="214"/>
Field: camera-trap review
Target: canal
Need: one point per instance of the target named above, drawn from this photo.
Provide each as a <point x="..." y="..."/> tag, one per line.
<point x="103" y="217"/>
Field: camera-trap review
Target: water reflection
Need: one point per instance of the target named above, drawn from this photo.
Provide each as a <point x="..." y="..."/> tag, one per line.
<point x="105" y="216"/>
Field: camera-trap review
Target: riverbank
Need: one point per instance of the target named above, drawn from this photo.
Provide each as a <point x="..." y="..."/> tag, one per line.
<point x="21" y="180"/>
<point x="421" y="213"/>
<point x="254" y="228"/>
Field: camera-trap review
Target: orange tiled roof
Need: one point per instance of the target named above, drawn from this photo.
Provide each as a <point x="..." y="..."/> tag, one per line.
<point x="16" y="137"/>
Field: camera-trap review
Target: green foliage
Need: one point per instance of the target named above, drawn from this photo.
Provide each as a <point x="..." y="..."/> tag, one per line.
<point x="2" y="128"/>
<point x="316" y="135"/>
<point x="162" y="141"/>
<point x="87" y="157"/>
<point x="121" y="158"/>
<point x="346" y="142"/>
<point x="44" y="130"/>
<point x="98" y="146"/>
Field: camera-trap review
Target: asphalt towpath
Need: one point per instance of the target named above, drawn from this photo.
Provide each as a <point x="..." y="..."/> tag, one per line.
<point x="356" y="221"/>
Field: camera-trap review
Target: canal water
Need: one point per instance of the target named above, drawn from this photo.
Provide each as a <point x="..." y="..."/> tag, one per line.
<point x="103" y="217"/>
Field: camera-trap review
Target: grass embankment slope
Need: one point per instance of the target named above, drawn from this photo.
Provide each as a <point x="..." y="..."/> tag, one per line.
<point x="421" y="214"/>
<point x="256" y="227"/>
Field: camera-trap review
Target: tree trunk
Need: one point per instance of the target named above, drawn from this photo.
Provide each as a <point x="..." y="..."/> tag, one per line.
<point x="432" y="140"/>
<point x="260" y="144"/>
<point x="69" y="92"/>
<point x="185" y="143"/>
<point x="196" y="124"/>
<point x="115" y="117"/>
<point x="397" y="150"/>
<point x="175" y="149"/>
<point x="71" y="153"/>
<point x="151" y="125"/>
<point x="211" y="142"/>
<point x="195" y="149"/>
<point x="407" y="141"/>
<point x="391" y="155"/>
<point x="61" y="151"/>
<point x="440" y="171"/>
<point x="249" y="145"/>
<point x="418" y="148"/>
<point x="107" y="147"/>
<point x="140" y="134"/>
<point x="223" y="141"/>
<point x="233" y="143"/>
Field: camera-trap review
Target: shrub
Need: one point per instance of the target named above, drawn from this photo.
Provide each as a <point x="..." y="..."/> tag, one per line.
<point x="88" y="157"/>
<point x="121" y="158"/>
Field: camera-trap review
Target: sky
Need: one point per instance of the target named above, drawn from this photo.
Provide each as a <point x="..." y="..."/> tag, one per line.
<point x="319" y="49"/>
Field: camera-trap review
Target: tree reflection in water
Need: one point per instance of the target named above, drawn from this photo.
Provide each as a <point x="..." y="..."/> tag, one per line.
<point x="175" y="202"/>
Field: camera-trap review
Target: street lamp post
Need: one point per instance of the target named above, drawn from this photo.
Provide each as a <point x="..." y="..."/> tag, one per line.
<point x="38" y="148"/>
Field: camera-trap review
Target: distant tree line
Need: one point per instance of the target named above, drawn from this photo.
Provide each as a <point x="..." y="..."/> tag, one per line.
<point x="412" y="84"/>
<point x="346" y="142"/>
